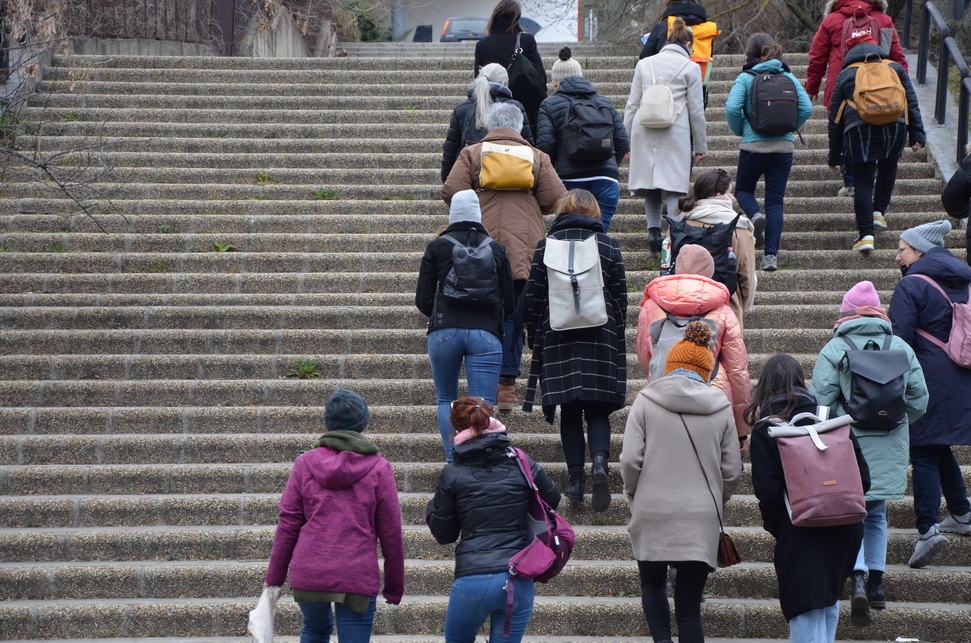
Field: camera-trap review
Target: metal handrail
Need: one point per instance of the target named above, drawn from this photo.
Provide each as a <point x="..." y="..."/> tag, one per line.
<point x="948" y="53"/>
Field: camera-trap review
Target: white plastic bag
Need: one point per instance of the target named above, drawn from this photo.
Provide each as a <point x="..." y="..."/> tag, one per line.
<point x="261" y="617"/>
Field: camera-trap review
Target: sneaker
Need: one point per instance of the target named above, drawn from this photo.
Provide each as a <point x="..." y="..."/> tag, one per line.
<point x="758" y="220"/>
<point x="926" y="547"/>
<point x="879" y="220"/>
<point x="769" y="263"/>
<point x="506" y="397"/>
<point x="864" y="243"/>
<point x="960" y="525"/>
<point x="846" y="190"/>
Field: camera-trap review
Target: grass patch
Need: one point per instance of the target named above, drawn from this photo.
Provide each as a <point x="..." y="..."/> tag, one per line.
<point x="263" y="178"/>
<point x="323" y="194"/>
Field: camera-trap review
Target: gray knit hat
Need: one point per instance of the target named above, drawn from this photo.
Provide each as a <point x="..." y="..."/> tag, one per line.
<point x="465" y="207"/>
<point x="346" y="411"/>
<point x="565" y="66"/>
<point x="927" y="236"/>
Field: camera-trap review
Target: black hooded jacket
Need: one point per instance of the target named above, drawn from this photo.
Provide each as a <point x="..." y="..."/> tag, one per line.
<point x="483" y="497"/>
<point x="693" y="14"/>
<point x="551" y="121"/>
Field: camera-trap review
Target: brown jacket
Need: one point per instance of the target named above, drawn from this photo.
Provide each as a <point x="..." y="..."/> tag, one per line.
<point x="514" y="218"/>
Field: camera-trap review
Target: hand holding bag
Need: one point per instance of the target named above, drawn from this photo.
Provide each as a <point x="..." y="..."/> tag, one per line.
<point x="727" y="553"/>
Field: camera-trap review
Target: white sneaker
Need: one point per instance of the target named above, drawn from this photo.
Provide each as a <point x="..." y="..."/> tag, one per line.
<point x="864" y="243"/>
<point x="926" y="547"/>
<point x="879" y="220"/>
<point x="846" y="191"/>
<point x="960" y="525"/>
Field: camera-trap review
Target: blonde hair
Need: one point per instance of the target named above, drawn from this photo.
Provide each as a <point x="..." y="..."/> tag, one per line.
<point x="580" y="201"/>
<point x="482" y="91"/>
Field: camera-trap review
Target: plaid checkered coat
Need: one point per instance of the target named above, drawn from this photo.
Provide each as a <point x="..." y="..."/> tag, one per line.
<point x="588" y="365"/>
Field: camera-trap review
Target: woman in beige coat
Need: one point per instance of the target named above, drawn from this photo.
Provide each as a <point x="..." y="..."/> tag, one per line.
<point x="661" y="159"/>
<point x="680" y="463"/>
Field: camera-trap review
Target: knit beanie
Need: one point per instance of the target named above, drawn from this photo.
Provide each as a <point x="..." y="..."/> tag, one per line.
<point x="861" y="295"/>
<point x="565" y="67"/>
<point x="693" y="352"/>
<point x="694" y="260"/>
<point x="346" y="411"/>
<point x="465" y="207"/>
<point x="927" y="236"/>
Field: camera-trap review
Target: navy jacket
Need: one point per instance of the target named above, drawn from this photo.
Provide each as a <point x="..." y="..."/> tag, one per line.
<point x="693" y="14"/>
<point x="552" y="119"/>
<point x="916" y="304"/>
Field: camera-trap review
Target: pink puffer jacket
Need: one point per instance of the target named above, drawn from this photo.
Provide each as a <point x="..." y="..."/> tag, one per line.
<point x="688" y="295"/>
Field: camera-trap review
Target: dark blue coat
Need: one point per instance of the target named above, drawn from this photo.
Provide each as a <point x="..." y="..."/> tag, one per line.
<point x="917" y="304"/>
<point x="552" y="119"/>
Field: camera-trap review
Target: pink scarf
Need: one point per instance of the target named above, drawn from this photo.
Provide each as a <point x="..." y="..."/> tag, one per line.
<point x="495" y="426"/>
<point x="862" y="311"/>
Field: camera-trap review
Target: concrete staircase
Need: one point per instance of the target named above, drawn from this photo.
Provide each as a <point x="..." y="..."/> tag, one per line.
<point x="147" y="423"/>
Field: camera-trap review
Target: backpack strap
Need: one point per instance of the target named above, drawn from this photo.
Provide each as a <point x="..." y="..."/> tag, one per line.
<point x="920" y="331"/>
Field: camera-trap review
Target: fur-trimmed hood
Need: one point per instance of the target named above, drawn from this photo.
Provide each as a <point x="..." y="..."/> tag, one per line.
<point x="837" y="5"/>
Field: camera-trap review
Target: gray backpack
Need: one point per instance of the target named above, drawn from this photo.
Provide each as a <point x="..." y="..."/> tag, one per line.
<point x="576" y="284"/>
<point x="667" y="332"/>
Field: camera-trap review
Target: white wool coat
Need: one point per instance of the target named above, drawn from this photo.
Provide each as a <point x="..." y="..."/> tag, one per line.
<point x="662" y="158"/>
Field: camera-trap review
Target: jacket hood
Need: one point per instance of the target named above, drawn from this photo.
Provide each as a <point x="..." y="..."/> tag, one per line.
<point x="334" y="469"/>
<point x="576" y="86"/>
<point x="676" y="47"/>
<point x="686" y="295"/>
<point x="576" y="220"/>
<point x="490" y="447"/>
<point x="943" y="266"/>
<point x="464" y="226"/>
<point x="858" y="53"/>
<point x="771" y="65"/>
<point x="680" y="394"/>
<point x="715" y="210"/>
<point x="505" y="135"/>
<point x="847" y="7"/>
<point x="496" y="91"/>
<point x="866" y="326"/>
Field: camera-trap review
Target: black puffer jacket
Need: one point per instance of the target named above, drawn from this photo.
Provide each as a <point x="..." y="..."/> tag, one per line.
<point x="483" y="498"/>
<point x="854" y="141"/>
<point x="693" y="14"/>
<point x="462" y="130"/>
<point x="435" y="265"/>
<point x="552" y="119"/>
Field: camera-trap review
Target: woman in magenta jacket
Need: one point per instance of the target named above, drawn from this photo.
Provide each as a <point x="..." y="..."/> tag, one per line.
<point x="340" y="501"/>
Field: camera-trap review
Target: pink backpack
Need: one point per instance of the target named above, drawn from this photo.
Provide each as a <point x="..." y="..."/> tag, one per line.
<point x="823" y="483"/>
<point x="958" y="346"/>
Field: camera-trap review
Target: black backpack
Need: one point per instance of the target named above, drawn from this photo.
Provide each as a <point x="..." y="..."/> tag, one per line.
<point x="773" y="108"/>
<point x="716" y="239"/>
<point x="878" y="384"/>
<point x="588" y="132"/>
<point x="472" y="280"/>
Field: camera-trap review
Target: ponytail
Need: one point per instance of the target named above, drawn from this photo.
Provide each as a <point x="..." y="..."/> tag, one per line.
<point x="482" y="91"/>
<point x="687" y="203"/>
<point x="773" y="51"/>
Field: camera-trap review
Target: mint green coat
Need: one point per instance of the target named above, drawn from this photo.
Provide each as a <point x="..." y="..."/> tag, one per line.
<point x="887" y="454"/>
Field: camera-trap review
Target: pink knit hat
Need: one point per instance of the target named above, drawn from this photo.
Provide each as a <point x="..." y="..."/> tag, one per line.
<point x="861" y="295"/>
<point x="694" y="260"/>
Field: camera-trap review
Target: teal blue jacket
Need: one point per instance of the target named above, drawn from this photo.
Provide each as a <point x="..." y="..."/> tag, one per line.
<point x="738" y="100"/>
<point x="887" y="454"/>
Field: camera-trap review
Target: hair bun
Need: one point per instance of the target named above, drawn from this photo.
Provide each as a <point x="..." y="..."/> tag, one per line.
<point x="698" y="332"/>
<point x="565" y="54"/>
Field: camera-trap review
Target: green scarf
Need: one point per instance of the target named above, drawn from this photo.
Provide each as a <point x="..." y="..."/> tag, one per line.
<point x="347" y="441"/>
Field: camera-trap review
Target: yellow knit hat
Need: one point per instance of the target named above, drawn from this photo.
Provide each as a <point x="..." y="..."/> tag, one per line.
<point x="693" y="352"/>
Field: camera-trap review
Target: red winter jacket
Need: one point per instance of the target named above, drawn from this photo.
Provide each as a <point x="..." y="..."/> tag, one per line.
<point x="826" y="53"/>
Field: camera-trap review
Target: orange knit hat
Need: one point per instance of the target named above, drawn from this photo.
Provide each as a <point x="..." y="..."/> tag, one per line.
<point x="693" y="352"/>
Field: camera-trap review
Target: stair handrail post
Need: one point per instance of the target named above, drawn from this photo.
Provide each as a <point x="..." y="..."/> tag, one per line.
<point x="908" y="20"/>
<point x="964" y="107"/>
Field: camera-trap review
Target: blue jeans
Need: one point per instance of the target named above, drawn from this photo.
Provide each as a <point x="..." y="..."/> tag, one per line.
<point x="815" y="626"/>
<point x="482" y="352"/>
<point x="605" y="191"/>
<point x="318" y="623"/>
<point x="873" y="551"/>
<point x="483" y="596"/>
<point x="776" y="168"/>
<point x="873" y="183"/>
<point x="512" y="353"/>
<point x="935" y="470"/>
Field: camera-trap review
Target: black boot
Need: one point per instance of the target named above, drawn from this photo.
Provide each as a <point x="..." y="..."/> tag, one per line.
<point x="601" y="490"/>
<point x="577" y="478"/>
<point x="654" y="239"/>
<point x="859" y="606"/>
<point x="874" y="591"/>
